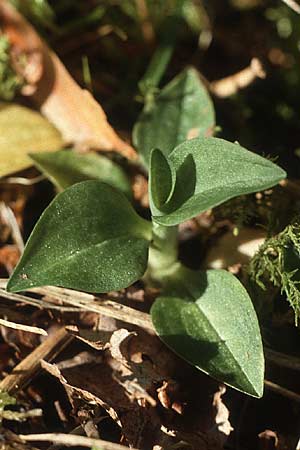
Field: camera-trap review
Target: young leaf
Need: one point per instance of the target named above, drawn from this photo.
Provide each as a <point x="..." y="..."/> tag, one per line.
<point x="89" y="238"/>
<point x="210" y="171"/>
<point x="182" y="109"/>
<point x="66" y="167"/>
<point x="212" y="324"/>
<point x="22" y="131"/>
<point x="160" y="180"/>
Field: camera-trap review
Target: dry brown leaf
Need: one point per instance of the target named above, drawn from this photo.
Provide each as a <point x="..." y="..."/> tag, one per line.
<point x="23" y="131"/>
<point x="97" y="339"/>
<point x="126" y="384"/>
<point x="74" y="392"/>
<point x="73" y="110"/>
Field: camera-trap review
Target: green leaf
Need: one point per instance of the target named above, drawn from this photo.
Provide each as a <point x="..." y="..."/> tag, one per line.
<point x="65" y="168"/>
<point x="181" y="110"/>
<point x="22" y="131"/>
<point x="211" y="323"/>
<point x="210" y="171"/>
<point x="89" y="238"/>
<point x="6" y="400"/>
<point x="160" y="180"/>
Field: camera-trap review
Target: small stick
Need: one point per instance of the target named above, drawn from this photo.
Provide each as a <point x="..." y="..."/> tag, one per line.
<point x="38" y="303"/>
<point x="22" y="180"/>
<point x="233" y="83"/>
<point x="282" y="391"/>
<point x="293" y="5"/>
<point x="83" y="301"/>
<point x="283" y="360"/>
<point x="146" y="25"/>
<point x="72" y="440"/>
<point x="92" y="303"/>
<point x="30" y="365"/>
<point x="19" y="326"/>
<point x="10" y="219"/>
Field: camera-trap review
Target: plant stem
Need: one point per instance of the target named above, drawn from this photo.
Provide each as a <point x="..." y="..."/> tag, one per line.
<point x="163" y="254"/>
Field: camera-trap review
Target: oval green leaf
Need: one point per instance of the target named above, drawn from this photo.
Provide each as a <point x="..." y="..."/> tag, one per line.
<point x="65" y="168"/>
<point x="183" y="109"/>
<point x="89" y="238"/>
<point x="210" y="171"/>
<point x="211" y="323"/>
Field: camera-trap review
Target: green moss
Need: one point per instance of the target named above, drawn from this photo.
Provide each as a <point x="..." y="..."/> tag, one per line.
<point x="10" y="82"/>
<point x="278" y="261"/>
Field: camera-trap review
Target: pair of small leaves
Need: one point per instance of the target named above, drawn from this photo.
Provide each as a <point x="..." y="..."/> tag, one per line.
<point x="181" y="110"/>
<point x="67" y="167"/>
<point x="202" y="173"/>
<point x="209" y="320"/>
<point x="89" y="238"/>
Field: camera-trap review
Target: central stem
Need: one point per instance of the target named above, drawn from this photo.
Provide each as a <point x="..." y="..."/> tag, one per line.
<point x="163" y="253"/>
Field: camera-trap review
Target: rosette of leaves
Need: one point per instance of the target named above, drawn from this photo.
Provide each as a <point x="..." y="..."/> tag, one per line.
<point x="91" y="238"/>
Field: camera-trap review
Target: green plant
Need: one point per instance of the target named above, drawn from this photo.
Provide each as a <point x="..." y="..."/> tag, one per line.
<point x="90" y="237"/>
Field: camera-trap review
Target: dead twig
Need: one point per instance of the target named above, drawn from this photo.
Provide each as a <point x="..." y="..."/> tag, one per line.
<point x="29" y="366"/>
<point x="72" y="440"/>
<point x="38" y="303"/>
<point x="146" y="24"/>
<point x="282" y="391"/>
<point x="9" y="218"/>
<point x="82" y="301"/>
<point x="20" y="416"/>
<point x="22" y="180"/>
<point x="232" y="84"/>
<point x="282" y="360"/>
<point x="291" y="186"/>
<point x="99" y="305"/>
<point x="19" y="326"/>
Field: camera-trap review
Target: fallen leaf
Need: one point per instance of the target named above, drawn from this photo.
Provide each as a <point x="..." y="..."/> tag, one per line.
<point x="73" y="110"/>
<point x="23" y="131"/>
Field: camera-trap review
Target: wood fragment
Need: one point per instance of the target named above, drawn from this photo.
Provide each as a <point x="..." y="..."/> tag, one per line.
<point x="231" y="85"/>
<point x="26" y="370"/>
<point x="72" y="440"/>
<point x="19" y="326"/>
<point x="282" y="391"/>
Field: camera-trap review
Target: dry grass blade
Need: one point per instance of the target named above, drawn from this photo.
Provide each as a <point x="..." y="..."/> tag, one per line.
<point x="72" y="441"/>
<point x="19" y="326"/>
<point x="29" y="366"/>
